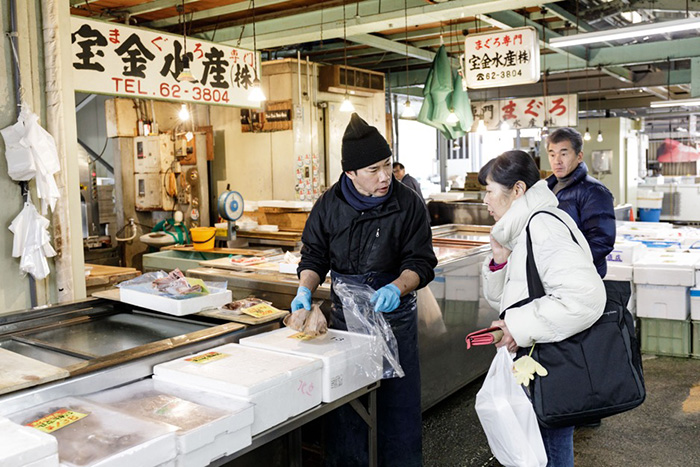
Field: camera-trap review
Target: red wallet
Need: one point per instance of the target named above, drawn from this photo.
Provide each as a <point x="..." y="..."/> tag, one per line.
<point x="484" y="337"/>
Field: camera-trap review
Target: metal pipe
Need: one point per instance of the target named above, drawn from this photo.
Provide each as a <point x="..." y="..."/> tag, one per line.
<point x="24" y="186"/>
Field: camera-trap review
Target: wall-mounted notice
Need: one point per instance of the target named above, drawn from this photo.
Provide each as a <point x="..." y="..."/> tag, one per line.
<point x="114" y="59"/>
<point x="528" y="112"/>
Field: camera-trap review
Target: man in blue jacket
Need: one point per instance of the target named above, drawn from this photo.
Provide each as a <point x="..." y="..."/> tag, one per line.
<point x="370" y="229"/>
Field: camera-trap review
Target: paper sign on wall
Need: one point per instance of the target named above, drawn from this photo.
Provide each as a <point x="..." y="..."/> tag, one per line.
<point x="529" y="112"/>
<point x="114" y="59"/>
<point x="502" y="58"/>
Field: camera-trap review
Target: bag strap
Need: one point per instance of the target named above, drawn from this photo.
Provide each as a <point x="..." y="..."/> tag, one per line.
<point x="535" y="287"/>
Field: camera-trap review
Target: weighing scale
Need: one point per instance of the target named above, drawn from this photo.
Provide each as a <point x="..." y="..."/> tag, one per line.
<point x="230" y="206"/>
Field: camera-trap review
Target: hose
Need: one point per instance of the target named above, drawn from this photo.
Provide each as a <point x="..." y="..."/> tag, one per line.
<point x="127" y="239"/>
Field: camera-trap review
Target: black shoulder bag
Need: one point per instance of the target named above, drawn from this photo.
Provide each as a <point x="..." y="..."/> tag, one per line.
<point x="591" y="375"/>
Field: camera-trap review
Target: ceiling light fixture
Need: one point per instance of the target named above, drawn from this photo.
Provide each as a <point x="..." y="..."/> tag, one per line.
<point x="184" y="113"/>
<point x="185" y="74"/>
<point x="587" y="135"/>
<point x="256" y="93"/>
<point x="626" y="33"/>
<point x="481" y="127"/>
<point x="676" y="103"/>
<point x="346" y="106"/>
<point x="599" y="138"/>
<point x="452" y="118"/>
<point x="408" y="111"/>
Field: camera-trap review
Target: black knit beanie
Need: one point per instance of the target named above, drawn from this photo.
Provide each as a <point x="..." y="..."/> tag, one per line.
<point x="363" y="145"/>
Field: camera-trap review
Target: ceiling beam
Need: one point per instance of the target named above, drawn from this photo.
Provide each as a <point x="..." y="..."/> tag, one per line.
<point x="212" y="13"/>
<point x="153" y="5"/>
<point x="305" y="27"/>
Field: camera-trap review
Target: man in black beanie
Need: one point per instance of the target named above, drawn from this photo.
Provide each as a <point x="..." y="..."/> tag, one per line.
<point x="370" y="229"/>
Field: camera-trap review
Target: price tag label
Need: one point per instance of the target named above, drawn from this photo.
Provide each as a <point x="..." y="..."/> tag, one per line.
<point x="261" y="310"/>
<point x="57" y="420"/>
<point x="300" y="336"/>
<point x="208" y="357"/>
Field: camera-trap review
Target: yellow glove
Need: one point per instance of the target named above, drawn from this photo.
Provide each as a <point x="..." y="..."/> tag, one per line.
<point x="524" y="369"/>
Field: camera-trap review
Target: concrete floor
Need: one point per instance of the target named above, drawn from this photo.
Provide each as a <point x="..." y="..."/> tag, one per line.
<point x="664" y="431"/>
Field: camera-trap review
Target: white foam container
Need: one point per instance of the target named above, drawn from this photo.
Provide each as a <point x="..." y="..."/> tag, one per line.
<point x="348" y="360"/>
<point x="695" y="304"/>
<point x="224" y="445"/>
<point x="619" y="272"/>
<point x="675" y="268"/>
<point x="234" y="414"/>
<point x="21" y="446"/>
<point x="626" y="253"/>
<point x="664" y="302"/>
<point x="281" y="386"/>
<point x="185" y="306"/>
<point x="150" y="443"/>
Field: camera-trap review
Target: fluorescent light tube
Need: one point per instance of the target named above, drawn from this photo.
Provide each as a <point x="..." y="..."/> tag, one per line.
<point x="626" y="33"/>
<point x="676" y="103"/>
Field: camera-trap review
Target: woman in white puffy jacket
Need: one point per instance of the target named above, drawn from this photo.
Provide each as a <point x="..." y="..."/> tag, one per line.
<point x="575" y="295"/>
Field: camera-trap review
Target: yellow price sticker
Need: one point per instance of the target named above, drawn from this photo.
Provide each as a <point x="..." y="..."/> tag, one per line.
<point x="301" y="337"/>
<point x="261" y="310"/>
<point x="57" y="420"/>
<point x="207" y="357"/>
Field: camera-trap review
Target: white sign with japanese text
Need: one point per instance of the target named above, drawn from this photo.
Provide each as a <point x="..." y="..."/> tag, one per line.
<point x="528" y="112"/>
<point x="502" y="58"/>
<point x="114" y="59"/>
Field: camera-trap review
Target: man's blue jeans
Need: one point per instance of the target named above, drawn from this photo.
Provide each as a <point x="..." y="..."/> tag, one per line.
<point x="559" y="445"/>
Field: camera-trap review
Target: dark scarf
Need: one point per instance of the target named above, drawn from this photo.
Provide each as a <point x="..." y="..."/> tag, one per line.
<point x="358" y="201"/>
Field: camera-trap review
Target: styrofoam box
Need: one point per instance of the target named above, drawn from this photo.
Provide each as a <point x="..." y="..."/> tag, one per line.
<point x="224" y="445"/>
<point x="666" y="268"/>
<point x="695" y="304"/>
<point x="45" y="462"/>
<point x="200" y="416"/>
<point x="90" y="441"/>
<point x="348" y="360"/>
<point x="185" y="306"/>
<point x="626" y="253"/>
<point x="281" y="386"/>
<point x="665" y="302"/>
<point x="22" y="445"/>
<point x="619" y="272"/>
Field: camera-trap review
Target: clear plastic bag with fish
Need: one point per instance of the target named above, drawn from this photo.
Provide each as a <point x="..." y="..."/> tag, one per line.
<point x="361" y="318"/>
<point x="309" y="322"/>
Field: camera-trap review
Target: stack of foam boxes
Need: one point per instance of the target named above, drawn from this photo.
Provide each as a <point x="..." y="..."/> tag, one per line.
<point x="695" y="316"/>
<point x="22" y="446"/>
<point x="663" y="280"/>
<point x="621" y="265"/>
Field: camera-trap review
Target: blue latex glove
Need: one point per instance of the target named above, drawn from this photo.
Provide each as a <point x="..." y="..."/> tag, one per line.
<point x="302" y="300"/>
<point x="386" y="299"/>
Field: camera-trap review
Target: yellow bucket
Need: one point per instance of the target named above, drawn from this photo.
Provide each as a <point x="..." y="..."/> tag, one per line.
<point x="203" y="237"/>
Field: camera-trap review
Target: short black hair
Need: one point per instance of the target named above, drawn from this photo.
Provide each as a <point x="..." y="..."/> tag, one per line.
<point x="510" y="167"/>
<point x="566" y="134"/>
<point x="399" y="165"/>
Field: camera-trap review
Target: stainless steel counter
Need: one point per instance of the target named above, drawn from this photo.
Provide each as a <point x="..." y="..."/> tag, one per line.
<point x="446" y="365"/>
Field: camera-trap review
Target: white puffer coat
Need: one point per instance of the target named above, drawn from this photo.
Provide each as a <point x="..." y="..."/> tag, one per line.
<point x="575" y="294"/>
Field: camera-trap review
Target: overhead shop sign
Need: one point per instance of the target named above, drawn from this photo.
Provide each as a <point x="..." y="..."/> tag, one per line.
<point x="115" y="59"/>
<point x="528" y="112"/>
<point x="502" y="58"/>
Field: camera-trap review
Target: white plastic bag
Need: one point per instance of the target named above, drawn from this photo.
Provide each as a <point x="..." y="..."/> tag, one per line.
<point x="361" y="318"/>
<point x="507" y="416"/>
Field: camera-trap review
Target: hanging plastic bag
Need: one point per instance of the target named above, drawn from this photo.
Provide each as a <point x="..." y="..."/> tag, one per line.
<point x="508" y="418"/>
<point x="20" y="162"/>
<point x="361" y="318"/>
<point x="32" y="242"/>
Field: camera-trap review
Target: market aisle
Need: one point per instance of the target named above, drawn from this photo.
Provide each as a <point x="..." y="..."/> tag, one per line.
<point x="664" y="431"/>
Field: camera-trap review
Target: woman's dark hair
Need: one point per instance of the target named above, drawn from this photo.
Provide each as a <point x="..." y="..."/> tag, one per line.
<point x="510" y="167"/>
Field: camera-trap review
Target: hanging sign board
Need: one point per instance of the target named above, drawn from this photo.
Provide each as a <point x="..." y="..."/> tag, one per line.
<point x="502" y="58"/>
<point x="528" y="112"/>
<point x="115" y="59"/>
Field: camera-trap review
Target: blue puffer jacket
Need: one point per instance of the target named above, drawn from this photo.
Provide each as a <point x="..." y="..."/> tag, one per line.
<point x="590" y="204"/>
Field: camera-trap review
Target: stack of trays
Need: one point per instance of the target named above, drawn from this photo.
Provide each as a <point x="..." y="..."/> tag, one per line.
<point x="281" y="386"/>
<point x="90" y="435"/>
<point x="21" y="446"/>
<point x="348" y="360"/>
<point x="209" y="426"/>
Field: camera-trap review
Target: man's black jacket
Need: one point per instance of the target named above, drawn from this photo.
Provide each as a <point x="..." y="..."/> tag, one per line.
<point x="389" y="238"/>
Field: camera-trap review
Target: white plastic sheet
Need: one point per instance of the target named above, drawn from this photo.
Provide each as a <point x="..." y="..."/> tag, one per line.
<point x="32" y="242"/>
<point x="31" y="152"/>
<point x="508" y="418"/>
